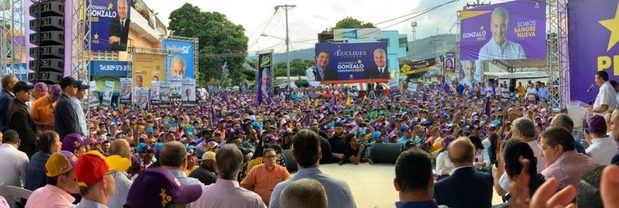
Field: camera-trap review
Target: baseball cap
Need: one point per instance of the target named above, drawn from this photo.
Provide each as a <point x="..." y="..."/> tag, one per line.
<point x="22" y="86"/>
<point x="90" y="168"/>
<point x="597" y="124"/>
<point x="57" y="164"/>
<point x="56" y="91"/>
<point x="40" y="86"/>
<point x="82" y="85"/>
<point x="208" y="156"/>
<point x="70" y="156"/>
<point x="157" y="187"/>
<point x="67" y="81"/>
<point x="73" y="141"/>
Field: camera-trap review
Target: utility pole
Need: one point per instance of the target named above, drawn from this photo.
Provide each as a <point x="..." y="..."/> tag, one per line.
<point x="286" y="7"/>
<point x="414" y="26"/>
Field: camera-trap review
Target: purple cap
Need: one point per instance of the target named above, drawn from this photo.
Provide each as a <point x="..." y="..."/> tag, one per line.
<point x="157" y="187"/>
<point x="73" y="141"/>
<point x="70" y="156"/>
<point x="40" y="86"/>
<point x="597" y="124"/>
<point x="56" y="91"/>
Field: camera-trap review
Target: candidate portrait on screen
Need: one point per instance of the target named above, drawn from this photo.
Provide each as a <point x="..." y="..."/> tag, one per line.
<point x="499" y="47"/>
<point x="119" y="27"/>
<point x="380" y="60"/>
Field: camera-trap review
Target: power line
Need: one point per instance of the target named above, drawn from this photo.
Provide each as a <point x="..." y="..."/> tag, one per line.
<point x="422" y="13"/>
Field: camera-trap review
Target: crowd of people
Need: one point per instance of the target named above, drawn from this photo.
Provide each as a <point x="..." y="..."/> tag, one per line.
<point x="459" y="143"/>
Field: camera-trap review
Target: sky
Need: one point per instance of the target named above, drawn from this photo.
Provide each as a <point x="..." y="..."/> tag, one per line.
<point x="309" y="18"/>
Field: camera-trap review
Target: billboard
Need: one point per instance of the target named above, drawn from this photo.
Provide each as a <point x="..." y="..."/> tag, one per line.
<point x="181" y="62"/>
<point x="350" y="63"/>
<point x="511" y="30"/>
<point x="146" y="68"/>
<point x="110" y="24"/>
<point x="265" y="83"/>
<point x="356" y="34"/>
<point x="592" y="45"/>
<point x="19" y="70"/>
<point x="109" y="68"/>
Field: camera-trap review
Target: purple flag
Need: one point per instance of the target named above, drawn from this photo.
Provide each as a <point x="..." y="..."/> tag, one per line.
<point x="487" y="108"/>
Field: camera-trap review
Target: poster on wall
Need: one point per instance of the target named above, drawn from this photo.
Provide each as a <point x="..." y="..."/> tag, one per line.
<point x="265" y="82"/>
<point x="107" y="93"/>
<point x="181" y="61"/>
<point x="147" y="68"/>
<point x="110" y="24"/>
<point x="449" y="64"/>
<point x="125" y="90"/>
<point x="176" y="86"/>
<point x="154" y="90"/>
<point x="350" y="63"/>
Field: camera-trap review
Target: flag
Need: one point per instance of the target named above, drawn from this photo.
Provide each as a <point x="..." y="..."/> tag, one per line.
<point x="348" y="101"/>
<point x="307" y="118"/>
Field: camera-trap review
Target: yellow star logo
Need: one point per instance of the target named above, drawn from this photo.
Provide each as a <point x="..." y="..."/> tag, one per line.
<point x="613" y="26"/>
<point x="359" y="61"/>
<point x="481" y="28"/>
<point x="96" y="36"/>
<point x="110" y="6"/>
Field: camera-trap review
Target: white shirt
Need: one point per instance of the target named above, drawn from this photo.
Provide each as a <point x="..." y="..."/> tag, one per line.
<point x="606" y="96"/>
<point x="481" y="155"/>
<point x="537" y="152"/>
<point x="508" y="50"/>
<point x="12" y="165"/>
<point x="444" y="165"/>
<point x="602" y="150"/>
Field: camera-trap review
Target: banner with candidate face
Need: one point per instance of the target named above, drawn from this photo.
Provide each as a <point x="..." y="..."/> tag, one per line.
<point x="146" y="68"/>
<point x="593" y="32"/>
<point x="181" y="61"/>
<point x="265" y="83"/>
<point x="511" y="30"/>
<point x="338" y="63"/>
<point x="110" y="24"/>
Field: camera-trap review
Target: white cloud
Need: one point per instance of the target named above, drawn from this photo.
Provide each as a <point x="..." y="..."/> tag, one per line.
<point x="311" y="17"/>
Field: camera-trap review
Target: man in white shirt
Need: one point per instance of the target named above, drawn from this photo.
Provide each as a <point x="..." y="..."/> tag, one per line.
<point x="499" y="47"/>
<point x="606" y="98"/>
<point x="602" y="147"/>
<point x="12" y="161"/>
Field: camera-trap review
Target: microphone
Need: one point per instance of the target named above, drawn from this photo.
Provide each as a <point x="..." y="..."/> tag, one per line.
<point x="590" y="88"/>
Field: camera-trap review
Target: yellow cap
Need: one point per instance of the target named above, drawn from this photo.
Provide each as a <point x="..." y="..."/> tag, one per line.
<point x="208" y="156"/>
<point x="56" y="165"/>
<point x="118" y="163"/>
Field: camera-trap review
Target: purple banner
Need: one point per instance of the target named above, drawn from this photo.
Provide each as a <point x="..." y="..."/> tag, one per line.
<point x="265" y="62"/>
<point x="350" y="62"/>
<point x="592" y="45"/>
<point x="110" y="24"/>
<point x="511" y="30"/>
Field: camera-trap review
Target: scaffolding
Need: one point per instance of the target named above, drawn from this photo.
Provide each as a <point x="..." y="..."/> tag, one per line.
<point x="558" y="56"/>
<point x="13" y="31"/>
<point x="80" y="32"/>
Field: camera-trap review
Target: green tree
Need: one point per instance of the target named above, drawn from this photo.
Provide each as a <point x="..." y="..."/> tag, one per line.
<point x="350" y="22"/>
<point x="221" y="41"/>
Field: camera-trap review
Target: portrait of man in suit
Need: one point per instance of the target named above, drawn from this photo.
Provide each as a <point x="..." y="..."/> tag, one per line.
<point x="119" y="27"/>
<point x="380" y="59"/>
<point x="318" y="71"/>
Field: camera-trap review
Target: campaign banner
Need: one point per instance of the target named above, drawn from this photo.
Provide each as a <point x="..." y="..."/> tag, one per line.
<point x="356" y="34"/>
<point x="142" y="97"/>
<point x="181" y="61"/>
<point x="510" y="30"/>
<point x="469" y="74"/>
<point x="164" y="92"/>
<point x="125" y="90"/>
<point x="189" y="90"/>
<point x="593" y="47"/>
<point x="107" y="93"/>
<point x="110" y="21"/>
<point x="449" y="65"/>
<point x="146" y="68"/>
<point x="154" y="90"/>
<point x="338" y="63"/>
<point x="265" y="82"/>
<point x="109" y="68"/>
<point x="93" y="98"/>
<point x="176" y="86"/>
